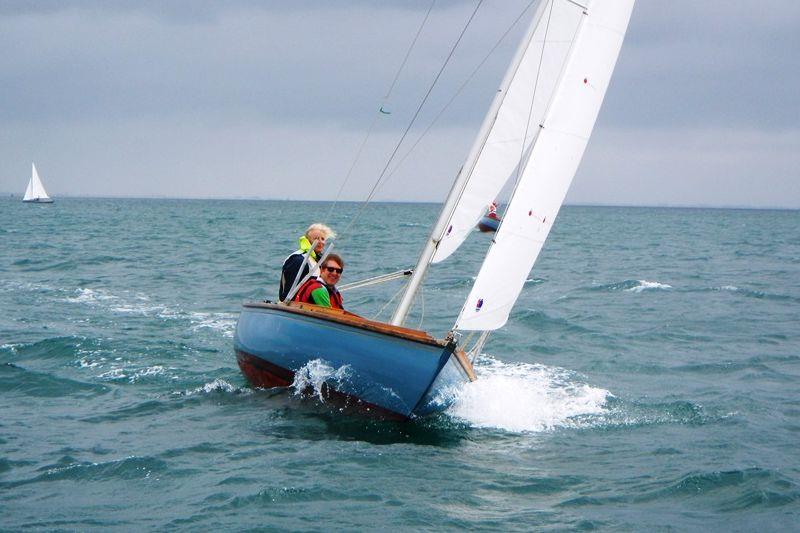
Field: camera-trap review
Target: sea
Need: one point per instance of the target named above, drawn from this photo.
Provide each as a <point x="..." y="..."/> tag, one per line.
<point x="648" y="378"/>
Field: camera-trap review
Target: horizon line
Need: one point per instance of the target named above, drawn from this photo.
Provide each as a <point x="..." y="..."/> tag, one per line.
<point x="264" y="199"/>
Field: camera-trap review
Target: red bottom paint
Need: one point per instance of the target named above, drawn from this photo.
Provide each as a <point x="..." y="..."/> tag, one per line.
<point x="261" y="373"/>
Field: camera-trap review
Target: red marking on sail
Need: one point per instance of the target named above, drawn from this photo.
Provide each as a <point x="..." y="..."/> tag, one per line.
<point x="479" y="305"/>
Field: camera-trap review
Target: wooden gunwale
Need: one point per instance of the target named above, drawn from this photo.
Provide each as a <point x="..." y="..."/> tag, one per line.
<point x="350" y="319"/>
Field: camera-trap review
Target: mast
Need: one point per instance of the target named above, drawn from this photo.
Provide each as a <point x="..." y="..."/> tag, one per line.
<point x="424" y="261"/>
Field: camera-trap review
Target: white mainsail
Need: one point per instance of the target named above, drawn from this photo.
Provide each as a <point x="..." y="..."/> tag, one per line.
<point x="35" y="189"/>
<point x="548" y="168"/>
<point x="523" y="99"/>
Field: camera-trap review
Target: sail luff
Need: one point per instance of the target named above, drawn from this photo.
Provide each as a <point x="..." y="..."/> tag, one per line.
<point x="550" y="167"/>
<point x="462" y="179"/>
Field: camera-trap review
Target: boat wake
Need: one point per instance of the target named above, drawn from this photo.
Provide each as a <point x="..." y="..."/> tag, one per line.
<point x="521" y="397"/>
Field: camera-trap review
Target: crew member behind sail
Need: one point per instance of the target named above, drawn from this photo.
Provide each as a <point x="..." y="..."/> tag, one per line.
<point x="315" y="236"/>
<point x="321" y="290"/>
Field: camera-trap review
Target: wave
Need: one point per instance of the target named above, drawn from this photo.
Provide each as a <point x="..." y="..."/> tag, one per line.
<point x="751" y="293"/>
<point x="40" y="265"/>
<point x="730" y="491"/>
<point x="16" y="286"/>
<point x="134" y="375"/>
<point x="521" y="397"/>
<point x="53" y="348"/>
<point x="16" y="380"/>
<point x="222" y="322"/>
<point x="631" y="285"/>
<point x="632" y="414"/>
<point x="535" y="281"/>
<point x="129" y="468"/>
<point x="216" y="386"/>
<point x="544" y="322"/>
<point x="141" y="305"/>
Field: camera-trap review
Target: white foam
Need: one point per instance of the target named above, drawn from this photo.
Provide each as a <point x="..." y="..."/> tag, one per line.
<point x="91" y="296"/>
<point x="218" y="385"/>
<point x="113" y="374"/>
<point x="132" y="375"/>
<point x="85" y="362"/>
<point x="313" y="374"/>
<point x="521" y="397"/>
<point x="127" y="303"/>
<point x="222" y="322"/>
<point x="645" y="285"/>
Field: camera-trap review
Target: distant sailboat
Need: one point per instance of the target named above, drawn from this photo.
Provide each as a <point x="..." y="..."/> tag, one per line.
<point x="35" y="192"/>
<point x="490" y="221"/>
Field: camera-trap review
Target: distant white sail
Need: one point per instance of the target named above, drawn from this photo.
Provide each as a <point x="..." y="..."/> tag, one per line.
<point x="550" y="165"/>
<point x="530" y="83"/>
<point x="35" y="190"/>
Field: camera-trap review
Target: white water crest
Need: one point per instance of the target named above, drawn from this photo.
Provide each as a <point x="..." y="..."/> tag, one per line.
<point x="225" y="323"/>
<point x="645" y="285"/>
<point x="132" y="374"/>
<point x="128" y="303"/>
<point x="521" y="397"/>
<point x="314" y="374"/>
<point x="218" y="385"/>
<point x="730" y="288"/>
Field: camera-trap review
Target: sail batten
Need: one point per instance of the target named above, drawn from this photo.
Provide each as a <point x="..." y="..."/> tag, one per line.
<point x="549" y="165"/>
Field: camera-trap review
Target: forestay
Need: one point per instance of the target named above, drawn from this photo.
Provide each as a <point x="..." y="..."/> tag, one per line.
<point x="551" y="163"/>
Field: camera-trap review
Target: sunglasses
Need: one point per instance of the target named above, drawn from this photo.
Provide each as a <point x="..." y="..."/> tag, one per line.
<point x="334" y="269"/>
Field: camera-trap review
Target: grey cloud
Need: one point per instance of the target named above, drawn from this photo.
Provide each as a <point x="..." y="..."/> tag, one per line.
<point x="216" y="72"/>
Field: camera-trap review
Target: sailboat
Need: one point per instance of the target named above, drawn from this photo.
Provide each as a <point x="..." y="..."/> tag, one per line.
<point x="533" y="136"/>
<point x="490" y="221"/>
<point x="35" y="192"/>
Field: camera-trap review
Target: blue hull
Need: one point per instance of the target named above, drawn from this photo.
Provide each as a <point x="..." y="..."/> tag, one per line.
<point x="394" y="372"/>
<point x="487" y="224"/>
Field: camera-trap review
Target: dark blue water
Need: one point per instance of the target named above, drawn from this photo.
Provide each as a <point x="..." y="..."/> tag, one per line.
<point x="648" y="379"/>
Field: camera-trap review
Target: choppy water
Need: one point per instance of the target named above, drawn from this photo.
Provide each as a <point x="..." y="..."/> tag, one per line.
<point x="649" y="377"/>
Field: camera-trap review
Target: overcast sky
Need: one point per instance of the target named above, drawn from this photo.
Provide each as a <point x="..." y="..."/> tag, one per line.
<point x="272" y="99"/>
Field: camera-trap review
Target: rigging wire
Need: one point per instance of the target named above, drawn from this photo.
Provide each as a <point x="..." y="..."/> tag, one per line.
<point x="422" y="307"/>
<point x="387" y="304"/>
<point x="413" y="120"/>
<point x="535" y="87"/>
<point x="380" y="111"/>
<point x="462" y="87"/>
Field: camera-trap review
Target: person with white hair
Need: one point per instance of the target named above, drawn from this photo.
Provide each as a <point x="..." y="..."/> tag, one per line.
<point x="312" y="243"/>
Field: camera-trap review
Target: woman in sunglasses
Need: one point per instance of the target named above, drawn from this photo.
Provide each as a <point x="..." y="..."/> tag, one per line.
<point x="321" y="290"/>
